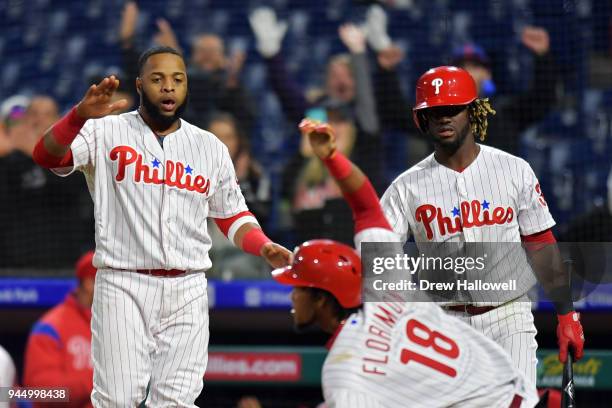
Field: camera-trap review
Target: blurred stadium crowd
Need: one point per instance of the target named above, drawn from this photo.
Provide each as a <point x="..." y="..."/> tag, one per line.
<point x="257" y="67"/>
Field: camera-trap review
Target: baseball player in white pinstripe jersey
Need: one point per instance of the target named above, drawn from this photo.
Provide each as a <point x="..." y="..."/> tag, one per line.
<point x="154" y="180"/>
<point x="391" y="354"/>
<point x="467" y="192"/>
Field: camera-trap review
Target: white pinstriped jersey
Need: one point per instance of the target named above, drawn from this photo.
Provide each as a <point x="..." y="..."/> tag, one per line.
<point x="414" y="355"/>
<point x="400" y="354"/>
<point x="152" y="202"/>
<point x="497" y="198"/>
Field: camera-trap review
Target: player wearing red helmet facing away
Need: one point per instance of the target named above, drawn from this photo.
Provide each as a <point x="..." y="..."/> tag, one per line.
<point x="466" y="192"/>
<point x="388" y="354"/>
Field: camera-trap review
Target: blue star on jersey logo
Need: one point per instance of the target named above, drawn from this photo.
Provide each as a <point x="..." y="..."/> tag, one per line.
<point x="156" y="163"/>
<point x="455" y="212"/>
<point x="354" y="321"/>
<point x="188" y="169"/>
<point x="485" y="205"/>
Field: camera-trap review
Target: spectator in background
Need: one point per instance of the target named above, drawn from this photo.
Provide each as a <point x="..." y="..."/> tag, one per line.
<point x="253" y="180"/>
<point x="317" y="206"/>
<point x="12" y="111"/>
<point x="214" y="78"/>
<point x="515" y="113"/>
<point x="58" y="352"/>
<point x="342" y="74"/>
<point x="38" y="226"/>
<point x="392" y="106"/>
<point x="315" y="203"/>
<point x="348" y="83"/>
<point x="39" y="115"/>
<point x="228" y="261"/>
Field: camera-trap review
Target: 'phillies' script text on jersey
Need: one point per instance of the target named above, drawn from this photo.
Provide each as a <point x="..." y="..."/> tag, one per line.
<point x="468" y="216"/>
<point x="127" y="156"/>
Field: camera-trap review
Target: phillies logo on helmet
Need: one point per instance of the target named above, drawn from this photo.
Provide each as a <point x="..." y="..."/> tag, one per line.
<point x="437" y="82"/>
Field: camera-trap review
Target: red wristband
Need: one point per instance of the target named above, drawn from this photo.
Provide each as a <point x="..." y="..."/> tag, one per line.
<point x="67" y="128"/>
<point x="338" y="165"/>
<point x="254" y="240"/>
<point x="43" y="158"/>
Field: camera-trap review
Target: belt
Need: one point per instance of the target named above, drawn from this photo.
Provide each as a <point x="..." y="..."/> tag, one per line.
<point x="161" y="272"/>
<point x="470" y="309"/>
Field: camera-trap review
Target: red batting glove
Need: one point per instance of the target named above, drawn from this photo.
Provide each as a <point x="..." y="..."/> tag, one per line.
<point x="570" y="334"/>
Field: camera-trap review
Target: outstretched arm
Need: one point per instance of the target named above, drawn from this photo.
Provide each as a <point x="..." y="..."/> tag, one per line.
<point x="53" y="149"/>
<point x="355" y="186"/>
<point x="244" y="231"/>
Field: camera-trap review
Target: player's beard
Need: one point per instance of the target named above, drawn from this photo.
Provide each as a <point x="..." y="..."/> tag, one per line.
<point x="156" y="114"/>
<point x="305" y="327"/>
<point x="452" y="146"/>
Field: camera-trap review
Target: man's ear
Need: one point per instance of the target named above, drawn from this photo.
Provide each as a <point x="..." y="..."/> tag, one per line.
<point x="138" y="85"/>
<point x="319" y="300"/>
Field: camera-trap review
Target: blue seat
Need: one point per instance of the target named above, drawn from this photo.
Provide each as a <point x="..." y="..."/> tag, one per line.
<point x="254" y="77"/>
<point x="298" y="24"/>
<point x="10" y="73"/>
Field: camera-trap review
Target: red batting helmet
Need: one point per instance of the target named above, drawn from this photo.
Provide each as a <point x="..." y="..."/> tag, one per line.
<point x="444" y="86"/>
<point x="327" y="265"/>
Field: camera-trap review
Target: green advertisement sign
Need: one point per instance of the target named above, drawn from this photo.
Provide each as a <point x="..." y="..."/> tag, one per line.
<point x="593" y="371"/>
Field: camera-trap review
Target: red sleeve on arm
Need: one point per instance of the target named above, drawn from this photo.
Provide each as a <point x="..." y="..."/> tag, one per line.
<point x="367" y="212"/>
<point x="225" y="224"/>
<point x="44" y="159"/>
<point x="253" y="240"/>
<point x="43" y="367"/>
<point x="545" y="237"/>
<point x="364" y="201"/>
<point x="339" y="165"/>
<point x="538" y="240"/>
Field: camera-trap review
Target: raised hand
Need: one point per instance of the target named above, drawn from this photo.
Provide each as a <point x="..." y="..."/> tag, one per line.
<point x="165" y="36"/>
<point x="390" y="57"/>
<point x="353" y="37"/>
<point x="321" y="136"/>
<point x="96" y="102"/>
<point x="234" y="67"/>
<point x="536" y="39"/>
<point x="375" y="28"/>
<point x="129" y="18"/>
<point x="269" y="32"/>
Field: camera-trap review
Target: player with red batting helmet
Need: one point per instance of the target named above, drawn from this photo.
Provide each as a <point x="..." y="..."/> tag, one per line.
<point x="466" y="192"/>
<point x="385" y="354"/>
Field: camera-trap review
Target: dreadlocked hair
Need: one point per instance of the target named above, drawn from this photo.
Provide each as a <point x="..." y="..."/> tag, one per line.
<point x="478" y="111"/>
